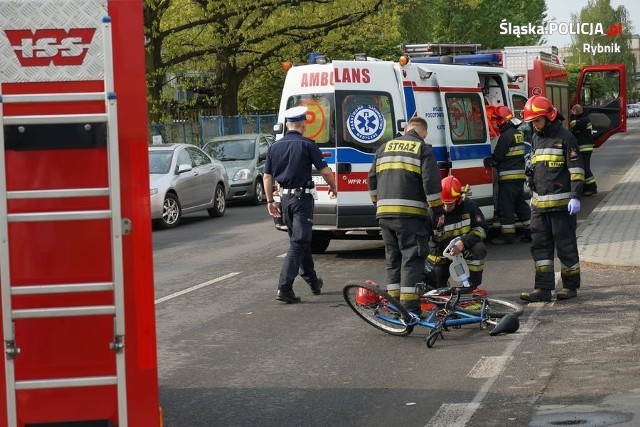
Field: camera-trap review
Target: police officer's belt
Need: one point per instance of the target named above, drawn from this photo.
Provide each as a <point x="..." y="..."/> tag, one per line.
<point x="293" y="190"/>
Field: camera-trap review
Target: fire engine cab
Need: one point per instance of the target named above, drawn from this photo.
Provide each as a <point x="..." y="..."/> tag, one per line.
<point x="76" y="274"/>
<point x="355" y="106"/>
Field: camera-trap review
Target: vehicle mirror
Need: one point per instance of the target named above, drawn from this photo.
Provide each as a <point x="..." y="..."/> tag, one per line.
<point x="184" y="168"/>
<point x="278" y="128"/>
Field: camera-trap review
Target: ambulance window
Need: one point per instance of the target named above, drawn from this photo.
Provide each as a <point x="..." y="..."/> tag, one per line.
<point x="518" y="105"/>
<point x="320" y="117"/>
<point x="366" y="120"/>
<point x="466" y="118"/>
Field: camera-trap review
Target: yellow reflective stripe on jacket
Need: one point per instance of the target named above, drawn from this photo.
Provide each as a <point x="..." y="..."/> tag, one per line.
<point x="397" y="209"/>
<point x="516" y="151"/>
<point x="547" y="158"/>
<point x="511" y="175"/>
<point x="398" y="165"/>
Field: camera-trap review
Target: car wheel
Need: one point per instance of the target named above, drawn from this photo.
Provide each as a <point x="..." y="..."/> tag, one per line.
<point x="258" y="193"/>
<point x="219" y="204"/>
<point x="171" y="211"/>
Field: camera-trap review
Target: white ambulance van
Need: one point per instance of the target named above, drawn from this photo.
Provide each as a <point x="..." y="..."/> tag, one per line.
<point x="355" y="106"/>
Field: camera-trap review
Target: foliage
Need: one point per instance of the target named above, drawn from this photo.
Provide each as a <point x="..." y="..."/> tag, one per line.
<point x="472" y="21"/>
<point x="228" y="53"/>
<point x="601" y="11"/>
<point x="228" y="40"/>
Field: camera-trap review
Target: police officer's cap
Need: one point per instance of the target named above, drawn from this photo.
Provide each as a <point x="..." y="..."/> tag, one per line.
<point x="296" y="114"/>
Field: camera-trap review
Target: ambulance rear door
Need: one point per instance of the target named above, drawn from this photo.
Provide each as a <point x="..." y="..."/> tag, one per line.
<point x="602" y="93"/>
<point x="369" y="112"/>
<point x="466" y="133"/>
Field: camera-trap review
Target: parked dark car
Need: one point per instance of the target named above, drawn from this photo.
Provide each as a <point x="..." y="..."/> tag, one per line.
<point x="243" y="156"/>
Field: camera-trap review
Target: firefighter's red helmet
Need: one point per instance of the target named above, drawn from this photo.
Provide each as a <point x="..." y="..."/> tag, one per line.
<point x="503" y="114"/>
<point x="451" y="189"/>
<point x="538" y="106"/>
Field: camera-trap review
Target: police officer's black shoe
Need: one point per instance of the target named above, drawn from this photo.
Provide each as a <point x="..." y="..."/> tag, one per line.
<point x="288" y="297"/>
<point x="317" y="286"/>
<point x="566" y="293"/>
<point x="539" y="295"/>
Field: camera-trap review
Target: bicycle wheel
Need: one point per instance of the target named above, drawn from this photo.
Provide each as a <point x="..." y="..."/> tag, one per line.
<point x="496" y="308"/>
<point x="377" y="308"/>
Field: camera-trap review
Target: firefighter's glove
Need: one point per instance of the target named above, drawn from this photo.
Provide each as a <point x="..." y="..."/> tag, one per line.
<point x="574" y="207"/>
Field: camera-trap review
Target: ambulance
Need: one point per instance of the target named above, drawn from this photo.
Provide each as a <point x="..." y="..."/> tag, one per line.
<point x="76" y="272"/>
<point x="355" y="106"/>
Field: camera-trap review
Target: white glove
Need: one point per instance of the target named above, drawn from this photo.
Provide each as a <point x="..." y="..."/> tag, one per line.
<point x="574" y="207"/>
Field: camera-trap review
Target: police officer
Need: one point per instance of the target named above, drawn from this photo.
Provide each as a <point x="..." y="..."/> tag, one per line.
<point x="289" y="162"/>
<point x="462" y="218"/>
<point x="404" y="181"/>
<point x="508" y="159"/>
<point x="556" y="184"/>
<point x="582" y="129"/>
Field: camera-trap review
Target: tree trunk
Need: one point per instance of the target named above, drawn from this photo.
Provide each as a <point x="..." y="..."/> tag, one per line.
<point x="230" y="80"/>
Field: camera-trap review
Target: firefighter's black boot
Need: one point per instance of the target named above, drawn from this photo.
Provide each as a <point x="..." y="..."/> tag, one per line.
<point x="539" y="295"/>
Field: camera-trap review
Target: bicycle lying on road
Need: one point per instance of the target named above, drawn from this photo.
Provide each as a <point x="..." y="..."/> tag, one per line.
<point x="444" y="308"/>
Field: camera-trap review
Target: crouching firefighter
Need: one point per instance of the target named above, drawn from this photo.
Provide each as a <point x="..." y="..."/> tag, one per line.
<point x="462" y="218"/>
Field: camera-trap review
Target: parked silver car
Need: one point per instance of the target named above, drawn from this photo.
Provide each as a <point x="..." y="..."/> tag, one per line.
<point x="243" y="156"/>
<point x="184" y="179"/>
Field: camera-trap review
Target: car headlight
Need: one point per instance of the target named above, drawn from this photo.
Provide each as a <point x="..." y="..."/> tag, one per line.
<point x="154" y="191"/>
<point x="242" y="174"/>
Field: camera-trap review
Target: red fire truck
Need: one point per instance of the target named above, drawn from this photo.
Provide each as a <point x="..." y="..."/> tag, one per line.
<point x="76" y="270"/>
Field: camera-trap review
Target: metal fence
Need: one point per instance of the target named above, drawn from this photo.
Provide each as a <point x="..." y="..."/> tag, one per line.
<point x="211" y="126"/>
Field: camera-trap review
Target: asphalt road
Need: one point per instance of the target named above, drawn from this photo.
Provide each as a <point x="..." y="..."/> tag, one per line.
<point x="230" y="355"/>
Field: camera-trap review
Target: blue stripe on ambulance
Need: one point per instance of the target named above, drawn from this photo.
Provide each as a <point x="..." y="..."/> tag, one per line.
<point x="409" y="101"/>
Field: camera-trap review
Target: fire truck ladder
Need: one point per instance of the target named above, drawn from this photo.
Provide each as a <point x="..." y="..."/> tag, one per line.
<point x="113" y="214"/>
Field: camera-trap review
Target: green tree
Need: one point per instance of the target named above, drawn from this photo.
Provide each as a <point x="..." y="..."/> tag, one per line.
<point x="601" y="11"/>
<point x="472" y="21"/>
<point x="223" y="42"/>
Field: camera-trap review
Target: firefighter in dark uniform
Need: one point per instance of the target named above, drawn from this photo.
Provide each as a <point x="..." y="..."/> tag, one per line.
<point x="404" y="182"/>
<point x="462" y="218"/>
<point x="582" y="129"/>
<point x="289" y="162"/>
<point x="508" y="159"/>
<point x="556" y="183"/>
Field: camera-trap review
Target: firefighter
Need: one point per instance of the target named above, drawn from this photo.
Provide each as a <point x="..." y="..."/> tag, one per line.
<point x="289" y="162"/>
<point x="508" y="159"/>
<point x="581" y="127"/>
<point x="404" y="182"/>
<point x="462" y="218"/>
<point x="556" y="184"/>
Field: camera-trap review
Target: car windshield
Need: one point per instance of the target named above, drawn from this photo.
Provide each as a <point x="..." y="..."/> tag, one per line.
<point x="160" y="161"/>
<point x="227" y="150"/>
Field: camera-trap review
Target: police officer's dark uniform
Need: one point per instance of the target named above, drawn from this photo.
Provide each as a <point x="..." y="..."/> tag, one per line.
<point x="508" y="158"/>
<point x="582" y="129"/>
<point x="404" y="181"/>
<point x="289" y="161"/>
<point x="556" y="185"/>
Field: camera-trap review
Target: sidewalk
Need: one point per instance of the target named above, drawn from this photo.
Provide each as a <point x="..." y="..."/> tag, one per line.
<point x="611" y="233"/>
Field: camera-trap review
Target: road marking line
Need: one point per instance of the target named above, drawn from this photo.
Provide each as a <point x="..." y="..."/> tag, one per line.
<point x="459" y="414"/>
<point x="195" y="287"/>
<point x="488" y="367"/>
<point x="282" y="256"/>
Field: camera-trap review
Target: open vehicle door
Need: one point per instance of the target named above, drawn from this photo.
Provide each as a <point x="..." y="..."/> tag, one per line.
<point x="602" y="93"/>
